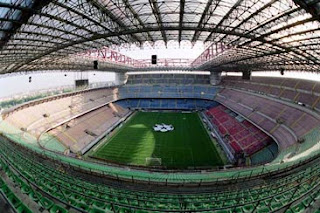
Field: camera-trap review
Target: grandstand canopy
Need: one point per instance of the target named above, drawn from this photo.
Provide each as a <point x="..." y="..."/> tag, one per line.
<point x="245" y="34"/>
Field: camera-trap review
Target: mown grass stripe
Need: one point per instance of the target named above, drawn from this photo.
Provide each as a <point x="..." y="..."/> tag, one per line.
<point x="188" y="145"/>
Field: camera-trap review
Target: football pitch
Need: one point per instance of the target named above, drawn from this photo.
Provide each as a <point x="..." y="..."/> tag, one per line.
<point x="188" y="145"/>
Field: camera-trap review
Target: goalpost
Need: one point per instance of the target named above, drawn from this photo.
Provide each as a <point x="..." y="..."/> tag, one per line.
<point x="153" y="161"/>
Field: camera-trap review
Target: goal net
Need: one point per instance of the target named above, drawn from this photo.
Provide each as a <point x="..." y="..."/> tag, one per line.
<point x="153" y="161"/>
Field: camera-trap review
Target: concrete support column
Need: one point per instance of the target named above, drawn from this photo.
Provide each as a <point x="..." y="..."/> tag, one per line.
<point x="215" y="78"/>
<point x="246" y="75"/>
<point x="121" y="78"/>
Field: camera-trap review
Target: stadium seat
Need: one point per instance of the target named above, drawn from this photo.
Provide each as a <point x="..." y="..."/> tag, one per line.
<point x="245" y="201"/>
<point x="299" y="208"/>
<point x="57" y="209"/>
<point x="45" y="203"/>
<point x="14" y="200"/>
<point x="242" y="135"/>
<point x="35" y="196"/>
<point x="23" y="209"/>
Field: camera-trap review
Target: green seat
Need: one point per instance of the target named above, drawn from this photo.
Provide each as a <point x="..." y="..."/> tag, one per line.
<point x="162" y="206"/>
<point x="86" y="201"/>
<point x="317" y="195"/>
<point x="82" y="206"/>
<point x="141" y="211"/>
<point x="289" y="211"/>
<point x="35" y="196"/>
<point x="218" y="204"/>
<point x="23" y="209"/>
<point x="299" y="208"/>
<point x="307" y="201"/>
<point x="51" y="187"/>
<point x="123" y="210"/>
<point x="19" y="181"/>
<point x="25" y="189"/>
<point x="108" y="207"/>
<point x="6" y="190"/>
<point x="105" y="197"/>
<point x="66" y="193"/>
<point x="278" y="198"/>
<point x="276" y="205"/>
<point x="1" y="182"/>
<point x="14" y="200"/>
<point x="57" y="209"/>
<point x="92" y="194"/>
<point x="134" y="203"/>
<point x="95" y="210"/>
<point x="28" y="175"/>
<point x="223" y="211"/>
<point x="263" y="209"/>
<point x="230" y="203"/>
<point x="98" y="204"/>
<point x="248" y="208"/>
<point x="238" y="210"/>
<point x="76" y="197"/>
<point x="58" y="195"/>
<point x="45" y="203"/>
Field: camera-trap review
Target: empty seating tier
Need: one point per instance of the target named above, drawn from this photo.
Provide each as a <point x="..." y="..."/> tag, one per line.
<point x="292" y="192"/>
<point x="243" y="136"/>
<point x="181" y="79"/>
<point x="285" y="123"/>
<point x="37" y="117"/>
<point x="80" y="132"/>
<point x="304" y="92"/>
<point x="183" y="104"/>
<point x="168" y="91"/>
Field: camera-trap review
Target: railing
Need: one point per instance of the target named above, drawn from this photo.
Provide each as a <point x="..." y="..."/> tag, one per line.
<point x="173" y="62"/>
<point x="111" y="56"/>
<point x="209" y="54"/>
<point x="108" y="55"/>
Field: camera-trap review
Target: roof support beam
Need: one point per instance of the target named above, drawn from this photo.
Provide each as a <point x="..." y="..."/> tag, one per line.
<point x="295" y="34"/>
<point x="45" y="27"/>
<point x="225" y="18"/>
<point x="51" y="17"/>
<point x="137" y="17"/>
<point x="84" y="16"/>
<point x="275" y="18"/>
<point x="233" y="62"/>
<point x="157" y="14"/>
<point x="113" y="18"/>
<point x="288" y="49"/>
<point x="204" y="18"/>
<point x="310" y="6"/>
<point x="26" y="14"/>
<point x="251" y="16"/>
<point x="287" y="27"/>
<point x="182" y="3"/>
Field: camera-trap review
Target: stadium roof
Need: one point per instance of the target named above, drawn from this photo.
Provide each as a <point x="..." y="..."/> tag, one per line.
<point x="255" y="34"/>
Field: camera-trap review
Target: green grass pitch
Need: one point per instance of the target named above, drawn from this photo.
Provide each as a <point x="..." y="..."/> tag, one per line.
<point x="188" y="145"/>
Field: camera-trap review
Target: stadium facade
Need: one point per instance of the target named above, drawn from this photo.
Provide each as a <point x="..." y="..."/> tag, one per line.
<point x="170" y="134"/>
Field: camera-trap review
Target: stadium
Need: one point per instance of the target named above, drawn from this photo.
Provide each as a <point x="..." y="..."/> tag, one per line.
<point x="135" y="106"/>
